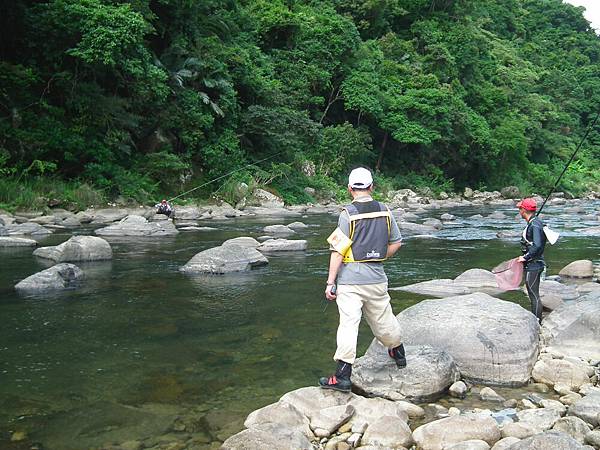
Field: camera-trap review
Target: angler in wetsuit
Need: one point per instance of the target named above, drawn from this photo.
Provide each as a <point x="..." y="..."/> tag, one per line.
<point x="164" y="207"/>
<point x="533" y="242"/>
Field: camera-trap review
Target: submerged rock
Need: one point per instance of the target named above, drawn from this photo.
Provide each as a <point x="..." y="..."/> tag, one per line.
<point x="77" y="248"/>
<point x="428" y="372"/>
<point x="491" y="340"/>
<point x="574" y="328"/>
<point x="225" y="259"/>
<point x="16" y="242"/>
<point x="60" y="276"/>
<point x="138" y="226"/>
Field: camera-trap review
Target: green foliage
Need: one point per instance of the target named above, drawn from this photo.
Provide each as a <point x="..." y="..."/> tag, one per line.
<point x="140" y="97"/>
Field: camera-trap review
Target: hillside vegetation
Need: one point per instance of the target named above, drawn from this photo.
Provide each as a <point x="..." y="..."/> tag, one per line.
<point x="147" y="98"/>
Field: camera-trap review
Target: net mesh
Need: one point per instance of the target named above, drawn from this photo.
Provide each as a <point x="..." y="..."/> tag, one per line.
<point x="508" y="274"/>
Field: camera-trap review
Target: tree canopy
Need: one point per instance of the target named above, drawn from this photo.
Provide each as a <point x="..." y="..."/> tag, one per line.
<point x="142" y="97"/>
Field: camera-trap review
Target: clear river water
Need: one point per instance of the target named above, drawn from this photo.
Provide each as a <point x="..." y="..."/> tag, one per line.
<point x="143" y="352"/>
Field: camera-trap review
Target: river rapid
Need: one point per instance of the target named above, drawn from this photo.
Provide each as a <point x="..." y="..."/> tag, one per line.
<point x="144" y="353"/>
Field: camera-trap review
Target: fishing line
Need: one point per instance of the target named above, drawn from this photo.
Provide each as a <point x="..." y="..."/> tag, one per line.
<point x="226" y="175"/>
<point x="569" y="162"/>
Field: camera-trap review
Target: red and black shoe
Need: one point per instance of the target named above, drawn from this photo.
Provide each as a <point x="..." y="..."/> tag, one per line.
<point x="341" y="380"/>
<point x="398" y="354"/>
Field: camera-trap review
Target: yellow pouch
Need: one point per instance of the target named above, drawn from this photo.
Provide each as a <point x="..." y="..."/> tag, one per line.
<point x="339" y="241"/>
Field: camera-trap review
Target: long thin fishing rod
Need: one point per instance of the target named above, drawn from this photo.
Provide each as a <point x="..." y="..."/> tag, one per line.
<point x="226" y="175"/>
<point x="590" y="127"/>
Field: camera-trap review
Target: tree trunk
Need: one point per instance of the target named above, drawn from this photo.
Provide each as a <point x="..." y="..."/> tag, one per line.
<point x="381" y="152"/>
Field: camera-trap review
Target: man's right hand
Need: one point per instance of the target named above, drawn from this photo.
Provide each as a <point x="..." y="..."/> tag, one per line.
<point x="328" y="294"/>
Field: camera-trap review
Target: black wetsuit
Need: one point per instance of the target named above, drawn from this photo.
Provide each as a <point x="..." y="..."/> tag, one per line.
<point x="532" y="246"/>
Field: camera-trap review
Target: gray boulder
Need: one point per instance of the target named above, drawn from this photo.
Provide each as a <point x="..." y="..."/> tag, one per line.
<point x="559" y="371"/>
<point x="443" y="433"/>
<point x="540" y="419"/>
<point x="327" y="420"/>
<point x="77" y="248"/>
<point x="550" y="287"/>
<point x="225" y="259"/>
<point x="434" y="288"/>
<point x="268" y="436"/>
<point x="583" y="268"/>
<point x="388" y="432"/>
<point x="415" y="228"/>
<point x="428" y="372"/>
<point x="283" y="230"/>
<point x="138" y="226"/>
<point x="242" y="242"/>
<point x="369" y="410"/>
<point x="297" y="226"/>
<point x="282" y="245"/>
<point x="28" y="228"/>
<point x="549" y="440"/>
<point x="265" y="199"/>
<point x="282" y="414"/>
<point x="573" y="426"/>
<point x="60" y="276"/>
<point x="473" y="444"/>
<point x="574" y="328"/>
<point x="588" y="409"/>
<point x="491" y="340"/>
<point x="435" y="223"/>
<point x="102" y="216"/>
<point x="16" y="242"/>
<point x="188" y="213"/>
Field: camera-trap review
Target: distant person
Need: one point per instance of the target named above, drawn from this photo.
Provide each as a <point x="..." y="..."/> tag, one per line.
<point x="533" y="242"/>
<point x="367" y="235"/>
<point x="165" y="208"/>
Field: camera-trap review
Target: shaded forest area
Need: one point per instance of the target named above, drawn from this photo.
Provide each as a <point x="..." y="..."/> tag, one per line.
<point x="145" y="98"/>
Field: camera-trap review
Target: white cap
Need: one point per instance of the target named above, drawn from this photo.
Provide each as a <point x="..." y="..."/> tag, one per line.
<point x="360" y="178"/>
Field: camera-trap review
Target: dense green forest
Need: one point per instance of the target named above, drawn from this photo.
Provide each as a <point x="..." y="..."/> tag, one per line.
<point x="145" y="98"/>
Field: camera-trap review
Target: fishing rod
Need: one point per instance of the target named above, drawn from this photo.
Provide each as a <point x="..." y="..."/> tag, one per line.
<point x="226" y="175"/>
<point x="590" y="127"/>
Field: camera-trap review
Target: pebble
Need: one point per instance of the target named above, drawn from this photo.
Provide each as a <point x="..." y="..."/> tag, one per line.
<point x="570" y="398"/>
<point x="453" y="411"/>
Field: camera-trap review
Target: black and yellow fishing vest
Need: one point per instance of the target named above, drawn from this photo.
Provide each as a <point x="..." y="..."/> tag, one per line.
<point x="370" y="225"/>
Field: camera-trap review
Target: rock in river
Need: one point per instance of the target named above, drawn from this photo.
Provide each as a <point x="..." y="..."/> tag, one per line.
<point x="428" y="372"/>
<point x="282" y="245"/>
<point x="77" y="248"/>
<point x="583" y="268"/>
<point x="574" y="328"/>
<point x="16" y="242"/>
<point x="60" y="276"/>
<point x="225" y="259"/>
<point x="491" y="340"/>
<point x="138" y="226"/>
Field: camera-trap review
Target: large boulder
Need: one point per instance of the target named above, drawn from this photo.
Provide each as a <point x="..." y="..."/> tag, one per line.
<point x="265" y="199"/>
<point x="428" y="373"/>
<point x="28" y="228"/>
<point x="269" y="436"/>
<point x="16" y="242"/>
<point x="443" y="433"/>
<point x="225" y="259"/>
<point x="435" y="288"/>
<point x="574" y="328"/>
<point x="588" y="409"/>
<point x="138" y="226"/>
<point x="549" y="440"/>
<point x="583" y="268"/>
<point x="388" y="432"/>
<point x="559" y="371"/>
<point x="60" y="276"/>
<point x="280" y="413"/>
<point x="491" y="341"/>
<point x="77" y="248"/>
<point x="282" y="245"/>
<point x="477" y="279"/>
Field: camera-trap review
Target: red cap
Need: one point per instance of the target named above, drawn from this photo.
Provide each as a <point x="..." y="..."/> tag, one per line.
<point x="528" y="204"/>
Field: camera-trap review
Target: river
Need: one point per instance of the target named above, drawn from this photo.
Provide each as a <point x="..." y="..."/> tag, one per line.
<point x="143" y="352"/>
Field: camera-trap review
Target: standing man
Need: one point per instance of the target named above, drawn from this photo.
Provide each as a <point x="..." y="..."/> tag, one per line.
<point x="367" y="235"/>
<point x="533" y="242"/>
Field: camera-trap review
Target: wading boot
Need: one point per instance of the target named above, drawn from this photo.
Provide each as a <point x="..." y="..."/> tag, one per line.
<point x="341" y="380"/>
<point x="399" y="356"/>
